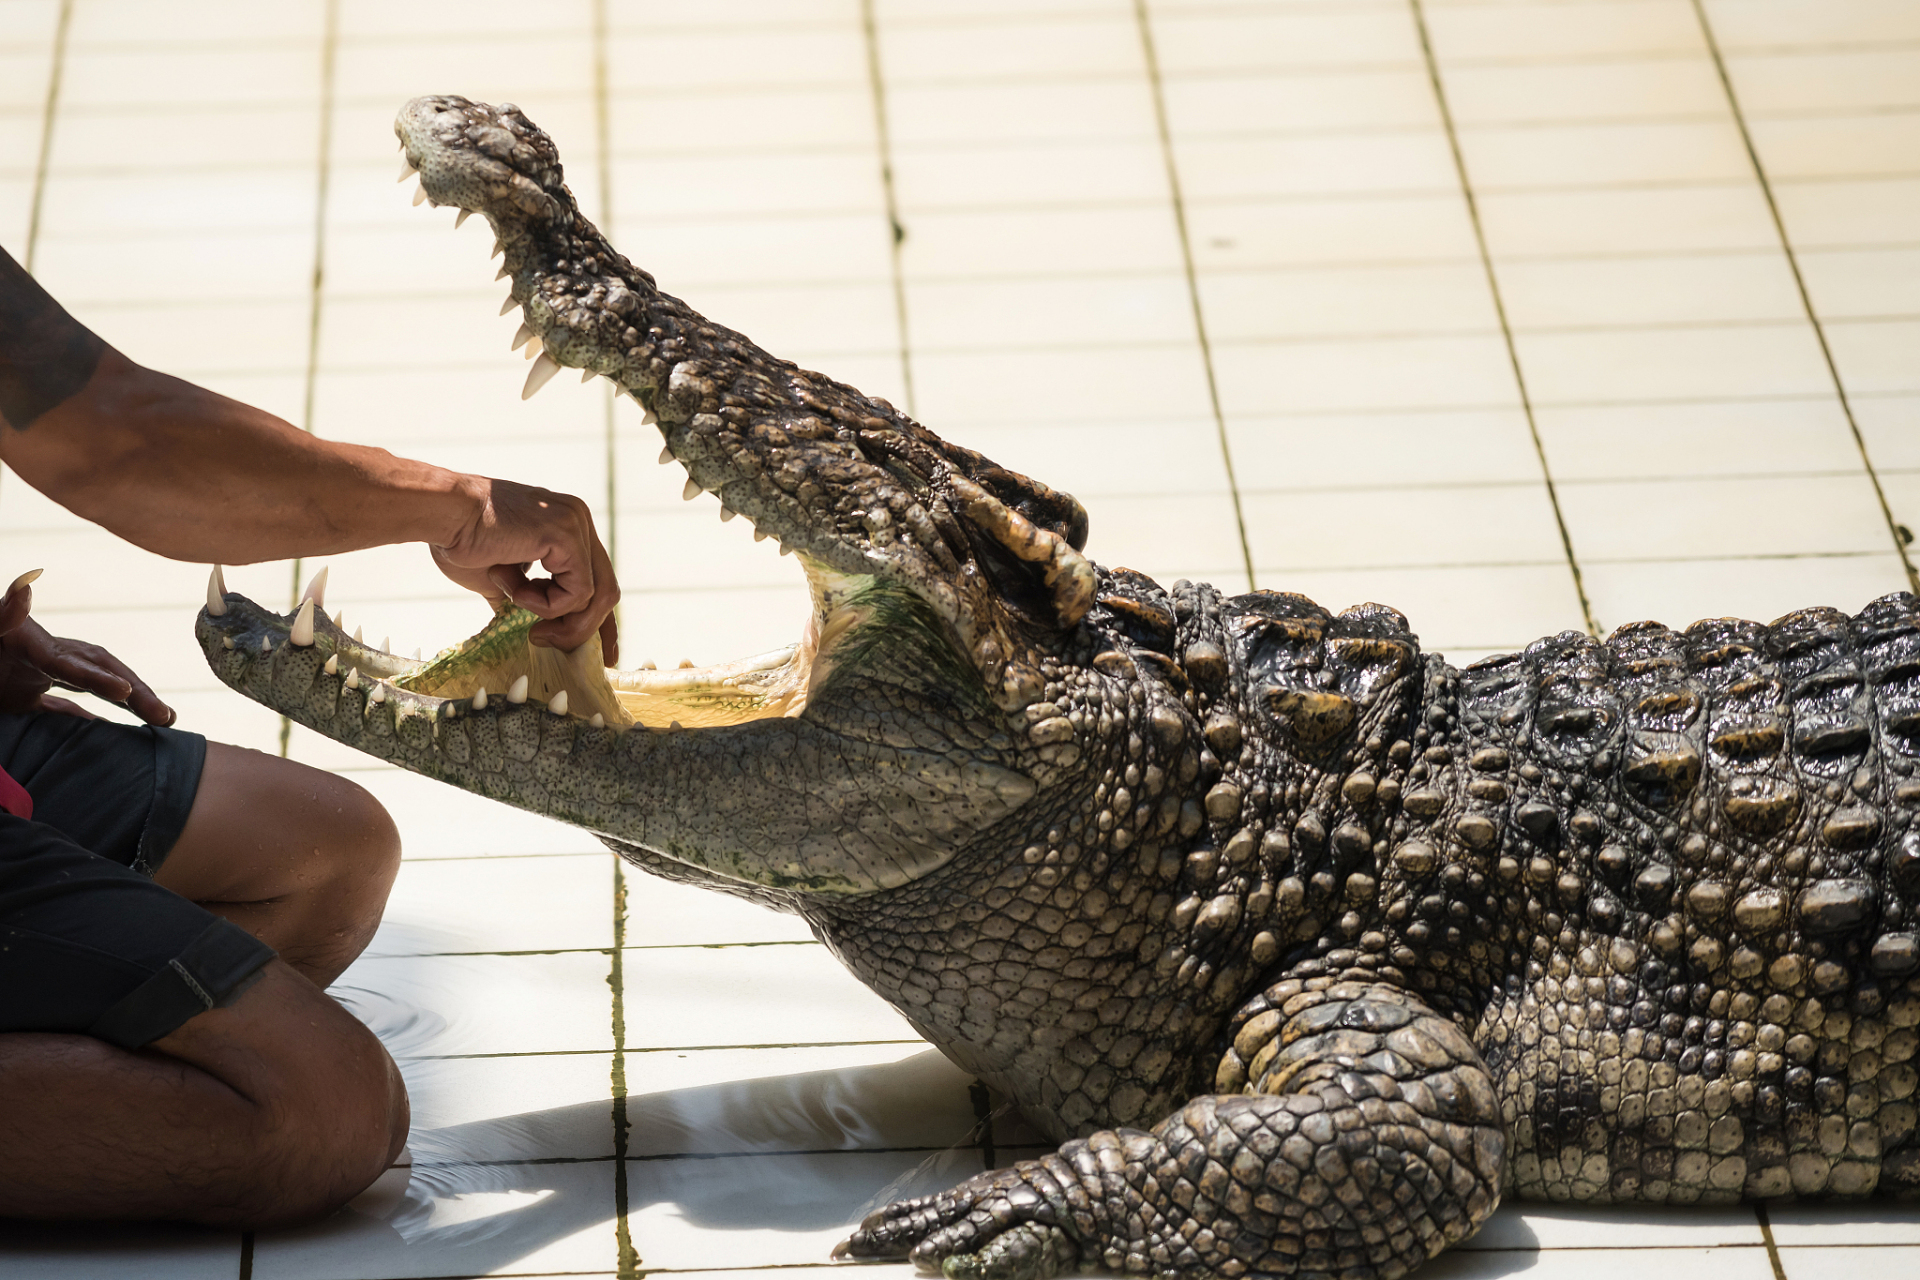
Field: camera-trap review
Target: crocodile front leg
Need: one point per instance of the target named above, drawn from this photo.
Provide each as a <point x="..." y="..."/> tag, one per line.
<point x="1365" y="1139"/>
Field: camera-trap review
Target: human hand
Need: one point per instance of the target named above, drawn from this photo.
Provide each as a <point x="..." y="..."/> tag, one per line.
<point x="31" y="662"/>
<point x="516" y="525"/>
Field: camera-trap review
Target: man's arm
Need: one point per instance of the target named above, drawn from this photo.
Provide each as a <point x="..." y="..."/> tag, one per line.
<point x="189" y="474"/>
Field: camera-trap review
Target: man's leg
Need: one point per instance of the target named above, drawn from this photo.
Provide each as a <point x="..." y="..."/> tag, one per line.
<point x="297" y="856"/>
<point x="269" y="1112"/>
<point x="273" y="1110"/>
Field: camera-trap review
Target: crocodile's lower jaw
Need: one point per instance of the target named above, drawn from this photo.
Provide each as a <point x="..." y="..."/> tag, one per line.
<point x="501" y="662"/>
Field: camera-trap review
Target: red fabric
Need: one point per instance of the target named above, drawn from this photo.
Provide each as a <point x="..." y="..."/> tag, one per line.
<point x="13" y="797"/>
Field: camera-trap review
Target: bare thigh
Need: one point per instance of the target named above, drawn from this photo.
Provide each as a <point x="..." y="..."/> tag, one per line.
<point x="301" y="858"/>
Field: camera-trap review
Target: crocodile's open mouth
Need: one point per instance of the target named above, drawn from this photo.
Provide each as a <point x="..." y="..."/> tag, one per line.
<point x="502" y="663"/>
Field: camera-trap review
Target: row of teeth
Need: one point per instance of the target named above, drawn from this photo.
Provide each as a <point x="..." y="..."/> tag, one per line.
<point x="544" y="368"/>
<point x="301" y="636"/>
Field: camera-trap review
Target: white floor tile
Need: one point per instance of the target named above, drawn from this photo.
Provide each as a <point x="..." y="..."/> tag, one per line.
<point x="1628" y="220"/>
<point x="763" y="1210"/>
<point x="1805" y="1225"/>
<point x="680" y="997"/>
<point x="1810" y="80"/>
<point x="1846" y="1262"/>
<point x="1771" y="23"/>
<point x="1863" y="212"/>
<point x="1714" y="518"/>
<point x="1520" y="1225"/>
<point x="457" y="1219"/>
<point x="1525" y="92"/>
<point x="1776" y="358"/>
<point x="537" y="1106"/>
<point x="430" y="1006"/>
<point x="498" y="904"/>
<point x="1837" y="146"/>
<point x="1681" y="591"/>
<point x="1602" y="1264"/>
<point x="1759" y="437"/>
<point x="1563" y="31"/>
<point x="1624" y="154"/>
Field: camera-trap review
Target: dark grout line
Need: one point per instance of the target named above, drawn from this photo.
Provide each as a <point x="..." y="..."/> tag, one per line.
<point x="1806" y="299"/>
<point x="1145" y="25"/>
<point x="316" y="295"/>
<point x="627" y="1258"/>
<point x="1500" y="309"/>
<point x="49" y="113"/>
<point x="897" y="231"/>
<point x="1766" y="1237"/>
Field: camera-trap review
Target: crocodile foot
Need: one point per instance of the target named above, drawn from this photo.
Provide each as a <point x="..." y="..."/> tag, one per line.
<point x="994" y="1226"/>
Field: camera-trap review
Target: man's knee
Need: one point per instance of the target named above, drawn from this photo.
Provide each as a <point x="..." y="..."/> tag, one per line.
<point x="329" y="1108"/>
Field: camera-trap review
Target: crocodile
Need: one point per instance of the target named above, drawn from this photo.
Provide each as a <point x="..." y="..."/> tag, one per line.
<point x="1305" y="946"/>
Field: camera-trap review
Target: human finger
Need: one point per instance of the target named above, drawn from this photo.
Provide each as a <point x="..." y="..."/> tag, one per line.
<point x="74" y="664"/>
<point x="18" y="602"/>
<point x="572" y="630"/>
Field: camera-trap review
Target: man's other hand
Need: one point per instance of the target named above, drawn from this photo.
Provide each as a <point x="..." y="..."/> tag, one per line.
<point x="32" y="662"/>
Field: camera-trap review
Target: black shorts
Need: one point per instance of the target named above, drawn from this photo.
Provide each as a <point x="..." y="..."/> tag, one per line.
<point x="88" y="942"/>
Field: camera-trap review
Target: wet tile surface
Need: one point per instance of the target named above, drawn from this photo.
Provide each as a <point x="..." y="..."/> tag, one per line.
<point x="1236" y="297"/>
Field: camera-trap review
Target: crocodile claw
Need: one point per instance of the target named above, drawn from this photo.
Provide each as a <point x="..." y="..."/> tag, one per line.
<point x="991" y="1227"/>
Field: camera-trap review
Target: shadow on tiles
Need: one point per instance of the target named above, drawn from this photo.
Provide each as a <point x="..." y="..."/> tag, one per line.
<point x="804" y="1154"/>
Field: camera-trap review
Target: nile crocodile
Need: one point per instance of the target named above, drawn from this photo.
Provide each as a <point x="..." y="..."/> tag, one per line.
<point x="1306" y="946"/>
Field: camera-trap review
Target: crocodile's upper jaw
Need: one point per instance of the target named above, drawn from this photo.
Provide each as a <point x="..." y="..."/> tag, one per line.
<point x="853" y="485"/>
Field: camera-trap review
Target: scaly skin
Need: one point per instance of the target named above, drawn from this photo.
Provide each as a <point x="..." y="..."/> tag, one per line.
<point x="1307" y="946"/>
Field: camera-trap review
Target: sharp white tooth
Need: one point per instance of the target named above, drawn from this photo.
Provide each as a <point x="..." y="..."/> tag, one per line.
<point x="498" y="248"/>
<point x="517" y="691"/>
<point x="340" y="620"/>
<point x="302" y="633"/>
<point x="727" y="513"/>
<point x="647" y="418"/>
<point x="692" y="489"/>
<point x="353" y="679"/>
<point x="502" y="273"/>
<point x="509" y="304"/>
<point x="558" y="705"/>
<point x="332" y="665"/>
<point x="226" y="642"/>
<point x="357" y="637"/>
<point x="266" y="644"/>
<point x="597" y="720"/>
<point x="542" y="372"/>
<point x="648" y="665"/>
<point x="461" y="218"/>
<point x="588" y="375"/>
<point x="666" y="454"/>
<point x="521" y="336"/>
<point x="420" y="196"/>
<point x="480" y="699"/>
<point x="759" y="535"/>
<point x="786" y="550"/>
<point x="416" y="653"/>
<point x="386" y="644"/>
<point x="406" y="167"/>
<point x="317" y="589"/>
<point x="685" y="663"/>
<point x="216" y="594"/>
<point x="379" y="694"/>
<point x="532" y="349"/>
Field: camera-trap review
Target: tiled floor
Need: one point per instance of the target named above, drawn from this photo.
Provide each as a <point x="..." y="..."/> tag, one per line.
<point x="1521" y="315"/>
